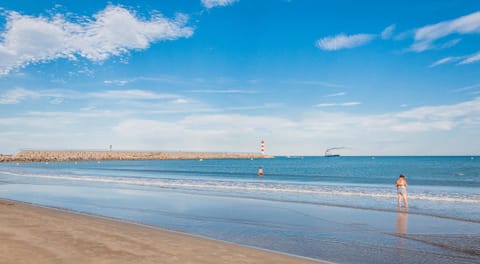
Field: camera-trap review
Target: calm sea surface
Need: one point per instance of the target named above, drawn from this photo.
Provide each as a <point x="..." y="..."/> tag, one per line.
<point x="225" y="199"/>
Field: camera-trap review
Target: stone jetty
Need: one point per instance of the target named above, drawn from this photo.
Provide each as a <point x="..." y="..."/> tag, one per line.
<point x="51" y="156"/>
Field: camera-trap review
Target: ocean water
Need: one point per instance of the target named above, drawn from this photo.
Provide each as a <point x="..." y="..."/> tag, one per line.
<point x="314" y="207"/>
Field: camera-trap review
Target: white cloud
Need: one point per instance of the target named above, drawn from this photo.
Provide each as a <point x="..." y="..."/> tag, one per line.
<point x="466" y="88"/>
<point x="317" y="83"/>
<point x="443" y="112"/>
<point x="388" y="32"/>
<point x="427" y="35"/>
<point x="116" y="82"/>
<point x="180" y="101"/>
<point x="56" y="101"/>
<point x="211" y="132"/>
<point x="76" y="116"/>
<point x="408" y="132"/>
<point x="471" y="59"/>
<point x="226" y="91"/>
<point x="16" y="95"/>
<point x="337" y="104"/>
<point x="444" y="60"/>
<point x="413" y="127"/>
<point x="213" y="3"/>
<point x="130" y="94"/>
<point x="428" y="130"/>
<point x="450" y="43"/>
<point x="335" y="94"/>
<point x="342" y="41"/>
<point x="112" y="32"/>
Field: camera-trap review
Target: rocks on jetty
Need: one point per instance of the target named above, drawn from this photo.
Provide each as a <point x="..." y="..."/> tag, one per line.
<point x="44" y="156"/>
<point x="4" y="158"/>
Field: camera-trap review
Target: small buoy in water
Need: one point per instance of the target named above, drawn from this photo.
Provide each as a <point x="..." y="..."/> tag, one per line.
<point x="200" y="160"/>
<point x="17" y="164"/>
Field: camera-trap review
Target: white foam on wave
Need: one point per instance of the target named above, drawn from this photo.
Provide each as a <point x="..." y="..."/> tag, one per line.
<point x="250" y="186"/>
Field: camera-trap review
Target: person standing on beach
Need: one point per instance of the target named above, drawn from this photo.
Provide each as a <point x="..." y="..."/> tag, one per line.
<point x="401" y="185"/>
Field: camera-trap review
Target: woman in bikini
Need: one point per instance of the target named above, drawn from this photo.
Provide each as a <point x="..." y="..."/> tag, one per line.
<point x="402" y="184"/>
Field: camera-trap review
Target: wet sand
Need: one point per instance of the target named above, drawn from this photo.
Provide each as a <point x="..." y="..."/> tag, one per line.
<point x="33" y="234"/>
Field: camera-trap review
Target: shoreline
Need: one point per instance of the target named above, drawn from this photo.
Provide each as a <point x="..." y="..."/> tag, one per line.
<point x="325" y="222"/>
<point x="80" y="155"/>
<point x="55" y="235"/>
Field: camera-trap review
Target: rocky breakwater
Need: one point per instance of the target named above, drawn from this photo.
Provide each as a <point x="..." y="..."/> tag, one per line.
<point x="5" y="158"/>
<point x="51" y="156"/>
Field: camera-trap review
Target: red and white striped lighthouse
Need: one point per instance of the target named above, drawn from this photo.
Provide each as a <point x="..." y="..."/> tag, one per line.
<point x="262" y="147"/>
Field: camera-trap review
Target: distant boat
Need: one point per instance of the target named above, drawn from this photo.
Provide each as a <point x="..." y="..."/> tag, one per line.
<point x="329" y="154"/>
<point x="332" y="155"/>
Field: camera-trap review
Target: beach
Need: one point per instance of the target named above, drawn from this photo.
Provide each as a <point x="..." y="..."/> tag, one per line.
<point x="33" y="234"/>
<point x="339" y="210"/>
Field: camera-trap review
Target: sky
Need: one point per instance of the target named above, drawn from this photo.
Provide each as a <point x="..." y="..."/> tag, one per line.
<point x="367" y="77"/>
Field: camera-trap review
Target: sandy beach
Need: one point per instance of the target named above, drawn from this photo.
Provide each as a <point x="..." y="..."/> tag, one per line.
<point x="224" y="200"/>
<point x="32" y="234"/>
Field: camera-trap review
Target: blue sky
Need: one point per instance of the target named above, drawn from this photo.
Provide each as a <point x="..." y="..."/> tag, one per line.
<point x="374" y="77"/>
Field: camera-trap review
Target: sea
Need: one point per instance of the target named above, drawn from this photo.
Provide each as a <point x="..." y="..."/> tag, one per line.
<point x="334" y="209"/>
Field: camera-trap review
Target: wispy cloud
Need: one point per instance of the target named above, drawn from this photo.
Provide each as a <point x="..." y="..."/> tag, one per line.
<point x="414" y="130"/>
<point x="225" y="91"/>
<point x="202" y="131"/>
<point x="335" y="94"/>
<point x="461" y="60"/>
<point x="471" y="59"/>
<point x="444" y="112"/>
<point x="427" y="35"/>
<point x="466" y="88"/>
<point x="213" y="3"/>
<point x="180" y="101"/>
<point x="342" y="41"/>
<point x="450" y="43"/>
<point x="113" y="31"/>
<point x="16" y="95"/>
<point x="388" y="32"/>
<point x="337" y="104"/>
<point x="444" y="61"/>
<point x="56" y="101"/>
<point x="130" y="94"/>
<point x="254" y="107"/>
<point x="317" y="83"/>
<point x="116" y="82"/>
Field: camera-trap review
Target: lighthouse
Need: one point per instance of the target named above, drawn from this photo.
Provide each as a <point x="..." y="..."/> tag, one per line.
<point x="262" y="147"/>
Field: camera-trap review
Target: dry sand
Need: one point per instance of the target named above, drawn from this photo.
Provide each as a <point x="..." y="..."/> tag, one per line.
<point x="32" y="234"/>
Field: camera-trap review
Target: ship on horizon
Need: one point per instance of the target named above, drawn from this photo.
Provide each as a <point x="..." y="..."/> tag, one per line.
<point x="328" y="152"/>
